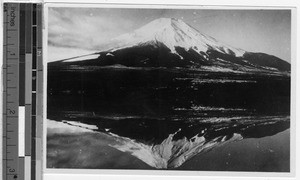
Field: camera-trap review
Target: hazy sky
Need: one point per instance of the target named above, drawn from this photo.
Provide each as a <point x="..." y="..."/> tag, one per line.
<point x="267" y="31"/>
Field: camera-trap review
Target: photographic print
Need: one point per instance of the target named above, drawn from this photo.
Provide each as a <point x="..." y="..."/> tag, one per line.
<point x="168" y="89"/>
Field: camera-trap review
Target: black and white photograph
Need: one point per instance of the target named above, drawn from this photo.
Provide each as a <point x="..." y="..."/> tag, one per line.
<point x="157" y="88"/>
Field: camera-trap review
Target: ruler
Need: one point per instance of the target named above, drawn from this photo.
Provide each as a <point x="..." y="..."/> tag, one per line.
<point x="22" y="91"/>
<point x="10" y="91"/>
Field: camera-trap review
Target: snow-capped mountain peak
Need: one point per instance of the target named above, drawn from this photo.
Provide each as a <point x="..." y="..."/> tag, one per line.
<point x="169" y="42"/>
<point x="173" y="33"/>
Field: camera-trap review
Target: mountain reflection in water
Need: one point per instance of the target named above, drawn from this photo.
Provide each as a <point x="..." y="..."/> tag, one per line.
<point x="156" y="142"/>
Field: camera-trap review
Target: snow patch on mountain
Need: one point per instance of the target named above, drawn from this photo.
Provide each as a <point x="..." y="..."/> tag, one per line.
<point x="172" y="33"/>
<point x="64" y="53"/>
<point x="82" y="58"/>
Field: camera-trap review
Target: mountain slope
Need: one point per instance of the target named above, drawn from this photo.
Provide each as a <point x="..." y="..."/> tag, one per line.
<point x="172" y="43"/>
<point x="173" y="33"/>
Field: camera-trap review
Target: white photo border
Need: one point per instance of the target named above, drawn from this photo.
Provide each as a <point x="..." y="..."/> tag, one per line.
<point x="75" y="174"/>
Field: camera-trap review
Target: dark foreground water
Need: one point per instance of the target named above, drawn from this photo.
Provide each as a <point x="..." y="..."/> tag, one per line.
<point x="161" y="118"/>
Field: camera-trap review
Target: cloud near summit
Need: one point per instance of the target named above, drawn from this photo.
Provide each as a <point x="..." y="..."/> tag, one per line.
<point x="82" y="28"/>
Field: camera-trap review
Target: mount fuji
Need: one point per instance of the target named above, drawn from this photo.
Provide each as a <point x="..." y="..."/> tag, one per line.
<point x="169" y="42"/>
<point x="164" y="94"/>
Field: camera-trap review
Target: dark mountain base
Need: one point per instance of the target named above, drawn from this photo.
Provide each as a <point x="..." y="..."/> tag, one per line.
<point x="159" y="91"/>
